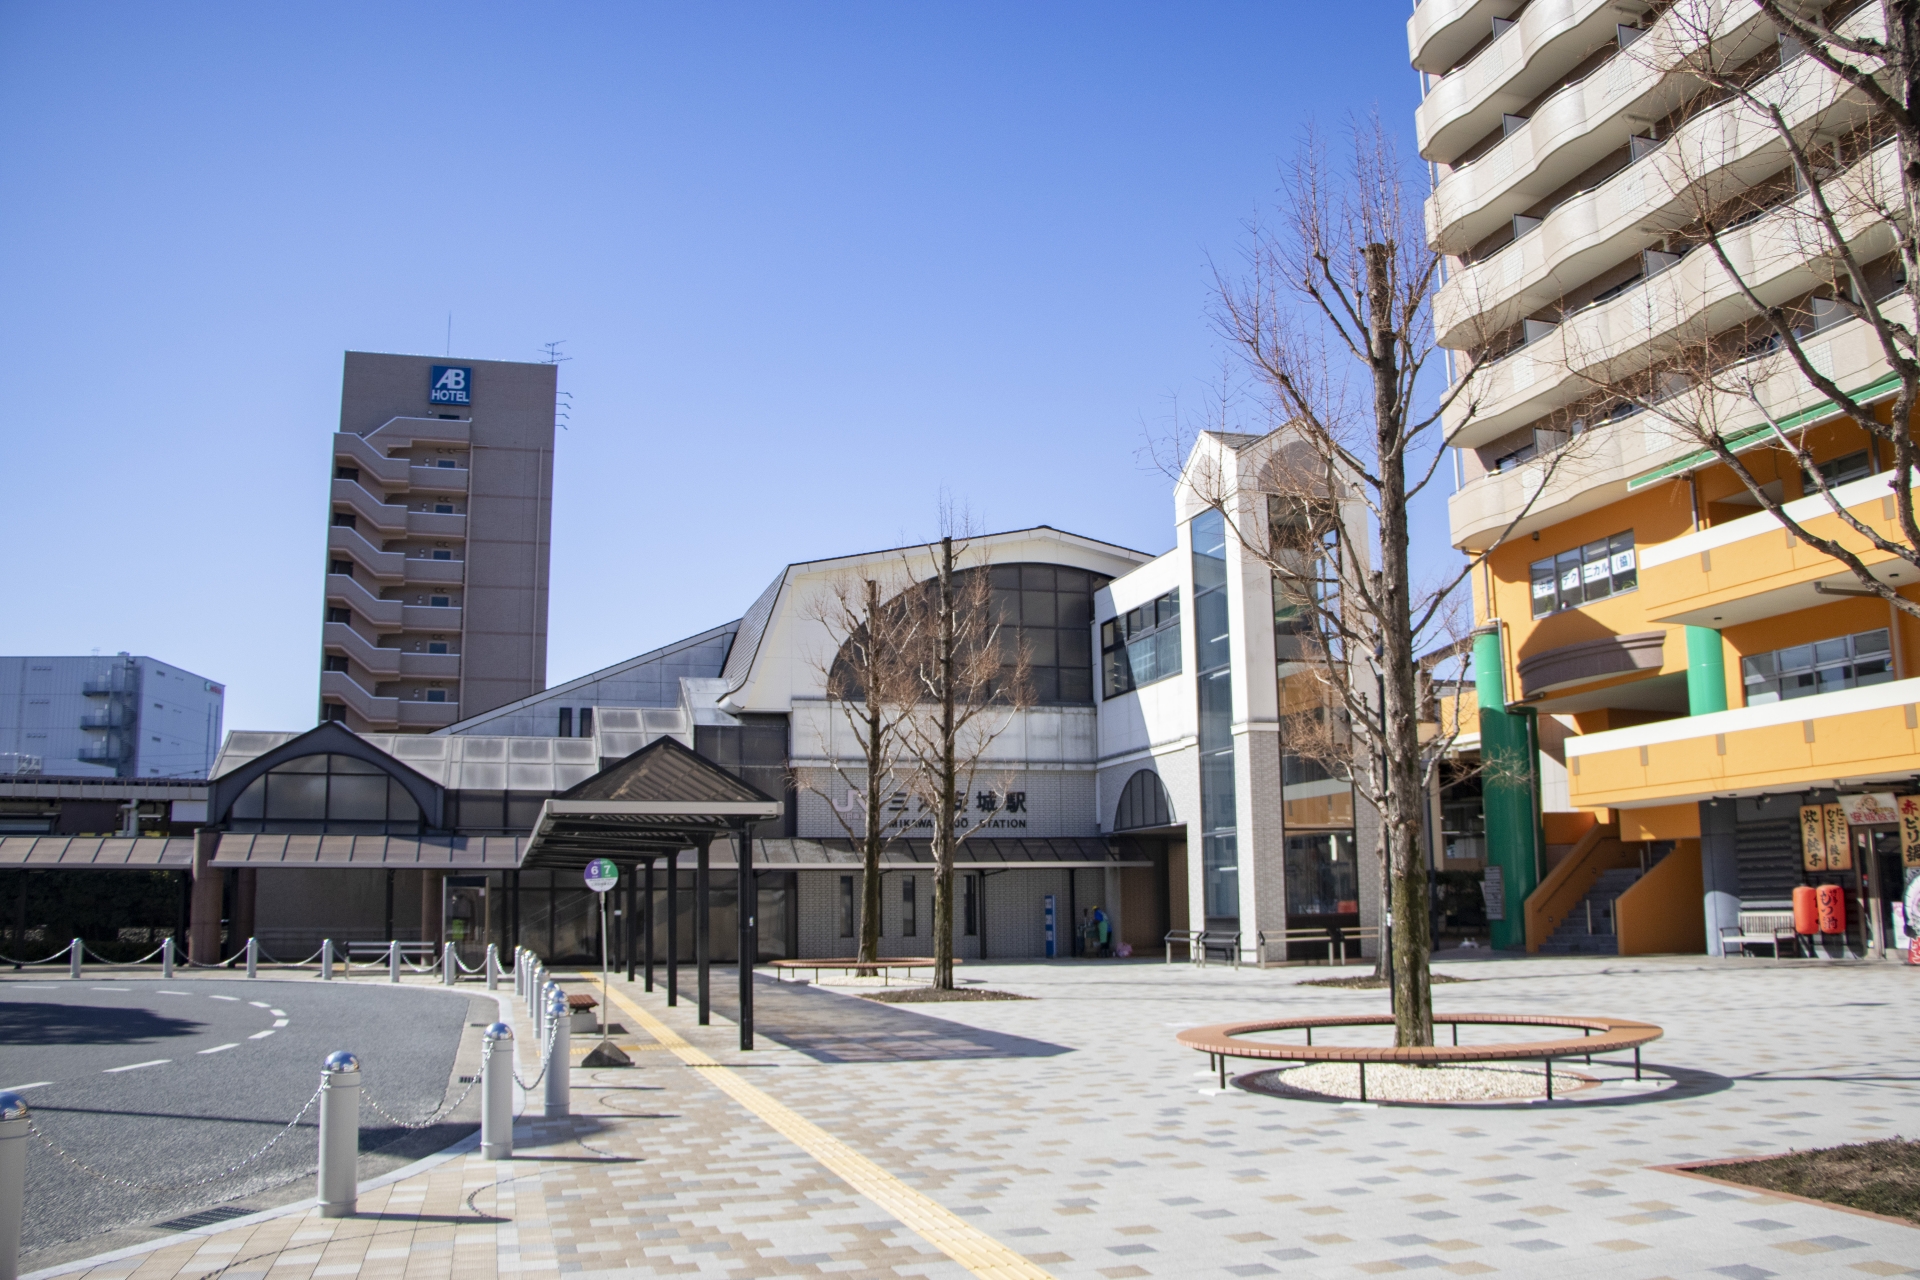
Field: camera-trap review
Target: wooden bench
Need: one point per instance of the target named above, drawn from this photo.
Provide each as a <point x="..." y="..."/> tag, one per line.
<point x="843" y="965"/>
<point x="1597" y="1035"/>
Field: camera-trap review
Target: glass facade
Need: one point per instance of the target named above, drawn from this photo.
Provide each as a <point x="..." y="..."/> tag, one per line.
<point x="1141" y="645"/>
<point x="1050" y="611"/>
<point x="1315" y="783"/>
<point x="1220" y="869"/>
<point x="325" y="793"/>
<point x="1322" y="878"/>
<point x="1802" y="670"/>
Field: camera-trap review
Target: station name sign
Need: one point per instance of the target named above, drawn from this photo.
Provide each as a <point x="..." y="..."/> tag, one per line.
<point x="452" y="384"/>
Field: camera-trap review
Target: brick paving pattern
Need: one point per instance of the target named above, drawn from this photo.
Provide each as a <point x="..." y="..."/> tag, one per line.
<point x="1072" y="1129"/>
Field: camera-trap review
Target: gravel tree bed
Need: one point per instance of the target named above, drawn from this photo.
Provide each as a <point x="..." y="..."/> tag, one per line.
<point x="1391" y="1082"/>
<point x="1880" y="1177"/>
<point x="1368" y="982"/>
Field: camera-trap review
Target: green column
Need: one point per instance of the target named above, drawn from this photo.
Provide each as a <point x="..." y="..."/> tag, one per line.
<point x="1706" y="672"/>
<point x="1507" y="788"/>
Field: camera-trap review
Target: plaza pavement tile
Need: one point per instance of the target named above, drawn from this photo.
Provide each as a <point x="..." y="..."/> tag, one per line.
<point x="1071" y="1129"/>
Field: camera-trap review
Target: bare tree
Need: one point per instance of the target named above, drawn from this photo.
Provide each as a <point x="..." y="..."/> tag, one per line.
<point x="972" y="680"/>
<point x="870" y="686"/>
<point x="1332" y="321"/>
<point x="1732" y="354"/>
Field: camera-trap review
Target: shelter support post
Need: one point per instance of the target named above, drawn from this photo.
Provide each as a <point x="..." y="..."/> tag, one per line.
<point x="673" y="929"/>
<point x="749" y="893"/>
<point x="629" y="921"/>
<point x="203" y="938"/>
<point x="648" y="940"/>
<point x="702" y="930"/>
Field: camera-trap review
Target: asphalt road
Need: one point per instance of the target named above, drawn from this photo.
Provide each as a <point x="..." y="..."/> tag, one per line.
<point x="167" y="1083"/>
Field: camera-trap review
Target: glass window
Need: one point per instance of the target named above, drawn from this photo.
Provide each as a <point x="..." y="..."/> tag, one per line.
<point x="1584" y="574"/>
<point x="846" y="906"/>
<point x="1141" y="646"/>
<point x="909" y="909"/>
<point x="1825" y="666"/>
<point x="1322" y="879"/>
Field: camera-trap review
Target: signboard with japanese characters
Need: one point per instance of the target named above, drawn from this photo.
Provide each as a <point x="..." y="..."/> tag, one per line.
<point x="1839" y="842"/>
<point x="1909" y="809"/>
<point x="1870" y="809"/>
<point x="1014" y="803"/>
<point x="1813" y="839"/>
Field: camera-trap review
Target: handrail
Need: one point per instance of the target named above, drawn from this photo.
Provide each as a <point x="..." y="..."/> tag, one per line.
<point x="1184" y="937"/>
<point x="1599" y="850"/>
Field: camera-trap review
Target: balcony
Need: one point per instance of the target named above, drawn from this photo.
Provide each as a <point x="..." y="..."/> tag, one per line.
<point x="1597" y="229"/>
<point x="1844" y="737"/>
<point x="435" y="573"/>
<point x="405" y="432"/>
<point x="110" y="718"/>
<point x="1548" y="39"/>
<point x="343" y="590"/>
<point x="379" y="713"/>
<point x="1607" y="341"/>
<point x="1570" y="132"/>
<point x="350" y="450"/>
<point x="387" y="518"/>
<point x="338" y="637"/>
<point x="1615" y="459"/>
<point x="1441" y="31"/>
<point x="1752" y="568"/>
<point x="430" y="666"/>
<point x="434" y="524"/>
<point x="387" y="566"/>
<point x="437" y="479"/>
<point x="419" y="714"/>
<point x="426" y="617"/>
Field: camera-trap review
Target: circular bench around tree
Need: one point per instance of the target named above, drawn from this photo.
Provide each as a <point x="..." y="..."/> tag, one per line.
<point x="1597" y="1035"/>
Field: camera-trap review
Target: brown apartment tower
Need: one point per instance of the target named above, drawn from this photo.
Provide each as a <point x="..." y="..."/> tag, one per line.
<point x="437" y="545"/>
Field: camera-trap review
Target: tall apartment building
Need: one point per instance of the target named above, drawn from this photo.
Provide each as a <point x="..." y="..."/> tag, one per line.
<point x="125" y="716"/>
<point x="1714" y="712"/>
<point x="438" y="541"/>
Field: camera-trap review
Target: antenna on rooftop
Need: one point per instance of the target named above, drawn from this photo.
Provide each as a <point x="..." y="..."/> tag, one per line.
<point x="553" y="351"/>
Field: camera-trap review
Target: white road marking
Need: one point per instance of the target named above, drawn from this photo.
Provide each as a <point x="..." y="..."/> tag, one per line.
<point x="135" y="1066"/>
<point x="221" y="1047"/>
<point x="173" y="993"/>
<point x="279" y="1022"/>
<point x="232" y="999"/>
<point x="109" y="988"/>
<point x="278" y="1013"/>
<point x="258" y="1004"/>
<point x="261" y="1035"/>
<point x="15" y="1088"/>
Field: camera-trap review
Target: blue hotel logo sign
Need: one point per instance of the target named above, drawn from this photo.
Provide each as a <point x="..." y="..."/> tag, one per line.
<point x="452" y="384"/>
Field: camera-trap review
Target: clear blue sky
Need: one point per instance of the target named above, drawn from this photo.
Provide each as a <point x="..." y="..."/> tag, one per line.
<point x="816" y="264"/>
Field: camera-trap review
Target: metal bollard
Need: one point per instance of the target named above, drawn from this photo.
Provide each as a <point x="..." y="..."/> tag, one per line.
<point x="166" y="956"/>
<point x="449" y="966"/>
<point x="520" y="972"/>
<point x="339" y="1135"/>
<point x="393" y="960"/>
<point x="493" y="967"/>
<point x="253" y="957"/>
<point x="326" y="959"/>
<point x="560" y="1069"/>
<point x="496" y="1094"/>
<point x="73" y="959"/>
<point x="14" y="1128"/>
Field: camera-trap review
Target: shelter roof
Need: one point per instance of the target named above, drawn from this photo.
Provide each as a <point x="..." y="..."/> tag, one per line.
<point x="459" y="853"/>
<point x="98" y="853"/>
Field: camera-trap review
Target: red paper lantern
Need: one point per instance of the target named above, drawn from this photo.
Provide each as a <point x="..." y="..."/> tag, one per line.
<point x="1833" y="909"/>
<point x="1806" y="910"/>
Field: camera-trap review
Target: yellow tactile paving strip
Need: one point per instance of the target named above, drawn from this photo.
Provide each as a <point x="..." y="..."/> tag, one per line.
<point x="946" y="1231"/>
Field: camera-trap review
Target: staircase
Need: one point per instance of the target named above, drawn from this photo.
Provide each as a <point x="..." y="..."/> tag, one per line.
<point x="1573" y="937"/>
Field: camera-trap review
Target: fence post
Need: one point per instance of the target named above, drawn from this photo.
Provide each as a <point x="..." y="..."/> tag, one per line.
<point x="449" y="966"/>
<point x="339" y="1135"/>
<point x="496" y="1093"/>
<point x="493" y="967"/>
<point x="73" y="958"/>
<point x="326" y="959"/>
<point x="166" y="956"/>
<point x="393" y="960"/>
<point x="559" y="1071"/>
<point x="14" y="1127"/>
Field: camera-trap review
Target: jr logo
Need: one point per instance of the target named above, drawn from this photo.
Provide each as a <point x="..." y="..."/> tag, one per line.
<point x="452" y="384"/>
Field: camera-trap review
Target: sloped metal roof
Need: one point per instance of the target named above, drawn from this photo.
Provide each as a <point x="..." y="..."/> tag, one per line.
<point x="466" y="853"/>
<point x="99" y="853"/>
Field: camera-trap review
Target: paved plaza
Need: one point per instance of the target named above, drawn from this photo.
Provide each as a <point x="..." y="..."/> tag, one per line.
<point x="1068" y="1135"/>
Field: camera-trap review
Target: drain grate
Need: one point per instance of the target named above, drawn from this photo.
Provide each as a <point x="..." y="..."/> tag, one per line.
<point x="205" y="1218"/>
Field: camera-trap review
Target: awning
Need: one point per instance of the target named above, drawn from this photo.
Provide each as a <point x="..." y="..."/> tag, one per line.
<point x="98" y="853"/>
<point x="464" y="853"/>
<point x="661" y="799"/>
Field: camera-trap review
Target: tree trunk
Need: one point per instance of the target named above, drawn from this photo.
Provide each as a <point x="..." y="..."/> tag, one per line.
<point x="1400" y="810"/>
<point x="876" y="761"/>
<point x="943" y="820"/>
